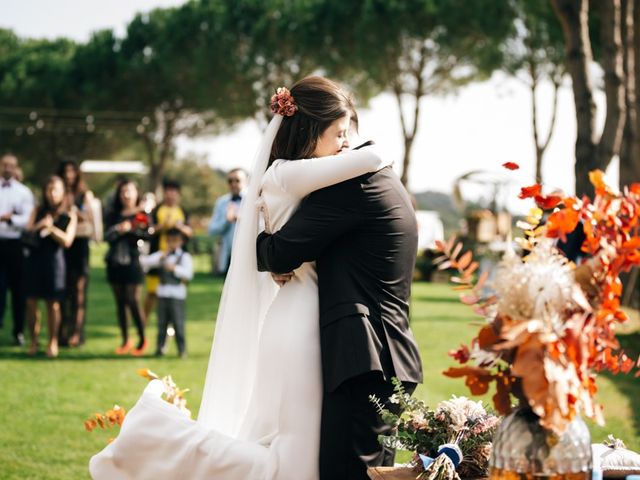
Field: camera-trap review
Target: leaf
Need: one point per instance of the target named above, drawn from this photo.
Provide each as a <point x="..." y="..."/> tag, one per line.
<point x="548" y="202"/>
<point x="530" y="192"/>
<point x="456" y="251"/>
<point x="596" y="177"/>
<point x="465" y="260"/>
<point x="524" y="225"/>
<point x="632" y="243"/>
<point x="477" y="378"/>
<point x="502" y="399"/>
<point x="472" y="268"/>
<point x="487" y="337"/>
<point x="562" y="222"/>
<point x="148" y="374"/>
<point x="511" y="166"/>
<point x="440" y="259"/>
<point x="450" y="243"/>
<point x="444" y="266"/>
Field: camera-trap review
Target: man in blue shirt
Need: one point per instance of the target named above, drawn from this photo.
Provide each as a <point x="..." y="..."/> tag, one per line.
<point x="225" y="215"/>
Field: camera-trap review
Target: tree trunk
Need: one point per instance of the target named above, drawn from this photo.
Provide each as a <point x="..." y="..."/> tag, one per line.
<point x="149" y="145"/>
<point x="541" y="147"/>
<point x="418" y="92"/>
<point x="574" y="17"/>
<point x="630" y="150"/>
<point x="406" y="160"/>
<point x="636" y="64"/>
<point x="159" y="152"/>
<point x="614" y="82"/>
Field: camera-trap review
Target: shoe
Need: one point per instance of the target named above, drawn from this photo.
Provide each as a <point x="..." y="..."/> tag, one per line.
<point x="19" y="339"/>
<point x="124" y="349"/>
<point x="183" y="355"/>
<point x="138" y="352"/>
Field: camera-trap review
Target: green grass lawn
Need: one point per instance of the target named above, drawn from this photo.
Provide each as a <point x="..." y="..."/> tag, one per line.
<point x="44" y="402"/>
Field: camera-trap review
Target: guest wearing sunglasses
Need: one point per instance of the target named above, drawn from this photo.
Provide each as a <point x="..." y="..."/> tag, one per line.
<point x="225" y="215"/>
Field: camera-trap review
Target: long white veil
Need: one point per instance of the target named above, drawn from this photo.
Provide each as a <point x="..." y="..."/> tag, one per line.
<point x="245" y="297"/>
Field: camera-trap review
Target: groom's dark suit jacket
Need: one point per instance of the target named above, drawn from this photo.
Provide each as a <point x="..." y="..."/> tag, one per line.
<point x="362" y="233"/>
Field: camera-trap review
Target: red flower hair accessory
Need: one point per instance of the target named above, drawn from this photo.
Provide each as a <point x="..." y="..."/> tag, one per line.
<point x="282" y="103"/>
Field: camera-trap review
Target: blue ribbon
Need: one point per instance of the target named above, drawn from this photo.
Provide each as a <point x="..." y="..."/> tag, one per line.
<point x="426" y="461"/>
<point x="452" y="451"/>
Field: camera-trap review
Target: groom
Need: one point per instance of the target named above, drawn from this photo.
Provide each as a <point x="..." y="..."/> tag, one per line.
<point x="362" y="234"/>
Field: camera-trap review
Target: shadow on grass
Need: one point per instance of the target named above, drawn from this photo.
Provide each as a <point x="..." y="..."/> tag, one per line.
<point x="628" y="384"/>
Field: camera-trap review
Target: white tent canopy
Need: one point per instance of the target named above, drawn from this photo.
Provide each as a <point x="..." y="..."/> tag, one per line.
<point x="113" y="166"/>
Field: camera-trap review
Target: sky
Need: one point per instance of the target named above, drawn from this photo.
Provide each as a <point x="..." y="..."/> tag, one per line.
<point x="481" y="127"/>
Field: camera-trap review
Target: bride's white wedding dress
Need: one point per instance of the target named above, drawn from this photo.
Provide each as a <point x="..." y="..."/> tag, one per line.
<point x="279" y="436"/>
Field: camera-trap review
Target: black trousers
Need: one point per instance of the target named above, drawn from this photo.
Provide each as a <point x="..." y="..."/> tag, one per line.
<point x="171" y="311"/>
<point x="11" y="279"/>
<point x="351" y="425"/>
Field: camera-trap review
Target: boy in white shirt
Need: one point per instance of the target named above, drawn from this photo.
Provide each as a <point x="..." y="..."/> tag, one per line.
<point x="176" y="269"/>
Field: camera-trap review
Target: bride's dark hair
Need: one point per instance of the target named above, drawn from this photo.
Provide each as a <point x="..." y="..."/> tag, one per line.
<point x="320" y="102"/>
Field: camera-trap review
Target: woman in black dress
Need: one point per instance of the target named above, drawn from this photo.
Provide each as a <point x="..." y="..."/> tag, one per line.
<point x="51" y="229"/>
<point x="76" y="256"/>
<point x="125" y="227"/>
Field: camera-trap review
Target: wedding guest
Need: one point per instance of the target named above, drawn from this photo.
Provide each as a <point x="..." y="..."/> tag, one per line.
<point x="166" y="216"/>
<point x="175" y="268"/>
<point x="51" y="229"/>
<point x="225" y="215"/>
<point x="76" y="256"/>
<point x="126" y="225"/>
<point x="16" y="205"/>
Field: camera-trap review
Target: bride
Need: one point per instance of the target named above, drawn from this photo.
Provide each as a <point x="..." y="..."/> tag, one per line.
<point x="260" y="413"/>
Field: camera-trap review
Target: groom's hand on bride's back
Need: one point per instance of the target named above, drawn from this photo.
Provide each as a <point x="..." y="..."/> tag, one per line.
<point x="282" y="278"/>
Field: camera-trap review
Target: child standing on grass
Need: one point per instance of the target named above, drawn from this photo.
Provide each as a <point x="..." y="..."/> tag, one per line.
<point x="175" y="270"/>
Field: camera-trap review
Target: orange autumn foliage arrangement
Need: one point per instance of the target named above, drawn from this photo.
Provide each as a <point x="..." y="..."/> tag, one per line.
<point x="551" y="324"/>
<point x="114" y="417"/>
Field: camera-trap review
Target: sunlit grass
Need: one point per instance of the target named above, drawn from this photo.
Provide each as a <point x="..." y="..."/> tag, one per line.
<point x="44" y="402"/>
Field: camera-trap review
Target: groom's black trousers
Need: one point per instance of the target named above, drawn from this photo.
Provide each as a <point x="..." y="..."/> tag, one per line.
<point x="351" y="425"/>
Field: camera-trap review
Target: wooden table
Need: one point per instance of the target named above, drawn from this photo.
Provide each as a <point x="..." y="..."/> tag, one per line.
<point x="391" y="473"/>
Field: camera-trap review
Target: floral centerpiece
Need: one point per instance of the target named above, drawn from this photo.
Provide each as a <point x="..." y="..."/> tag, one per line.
<point x="550" y="325"/>
<point x="459" y="426"/>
